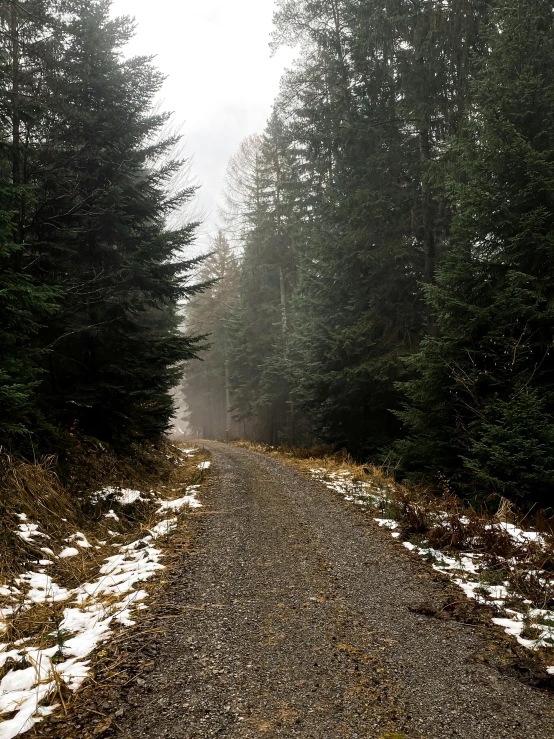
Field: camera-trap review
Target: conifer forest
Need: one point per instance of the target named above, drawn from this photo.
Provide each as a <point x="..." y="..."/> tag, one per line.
<point x="277" y="369"/>
<point x="383" y="280"/>
<point x="385" y="269"/>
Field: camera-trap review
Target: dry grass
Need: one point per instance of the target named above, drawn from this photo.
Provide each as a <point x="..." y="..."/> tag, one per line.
<point x="61" y="503"/>
<point x="115" y="667"/>
<point x="321" y="456"/>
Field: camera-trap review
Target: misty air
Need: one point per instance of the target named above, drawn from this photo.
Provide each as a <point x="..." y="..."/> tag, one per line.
<point x="276" y="369"/>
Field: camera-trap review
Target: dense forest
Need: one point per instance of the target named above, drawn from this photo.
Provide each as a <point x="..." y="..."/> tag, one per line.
<point x="383" y="277"/>
<point x="385" y="270"/>
<point x="91" y="276"/>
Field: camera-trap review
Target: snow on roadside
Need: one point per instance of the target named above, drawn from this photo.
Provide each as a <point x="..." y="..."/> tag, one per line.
<point x="89" y="614"/>
<point x="179" y="503"/>
<point x="464" y="568"/>
<point x="188" y="453"/>
<point x="123" y="496"/>
<point x="28" y="531"/>
<point x="343" y="482"/>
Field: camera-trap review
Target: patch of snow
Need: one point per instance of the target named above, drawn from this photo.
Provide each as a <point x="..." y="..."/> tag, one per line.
<point x="41" y="588"/>
<point x="124" y="496"/>
<point x="88" y="623"/>
<point x="343" y="483"/>
<point x="128" y="497"/>
<point x="29" y="710"/>
<point x="521" y="536"/>
<point x="387" y="523"/>
<point x="465" y="568"/>
<point x="90" y="612"/>
<point x="79" y="539"/>
<point x="164" y="528"/>
<point x="179" y="503"/>
<point x="29" y="531"/>
<point x="204" y="465"/>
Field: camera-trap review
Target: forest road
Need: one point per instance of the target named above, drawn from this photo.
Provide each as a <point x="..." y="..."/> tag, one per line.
<point x="297" y="623"/>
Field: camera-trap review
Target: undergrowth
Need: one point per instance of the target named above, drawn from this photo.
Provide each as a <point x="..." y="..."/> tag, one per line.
<point x="61" y="523"/>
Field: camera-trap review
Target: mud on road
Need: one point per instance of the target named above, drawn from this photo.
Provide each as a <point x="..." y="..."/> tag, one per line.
<point x="299" y="619"/>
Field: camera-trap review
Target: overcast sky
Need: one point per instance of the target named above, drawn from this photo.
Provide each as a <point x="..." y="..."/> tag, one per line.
<point x="221" y="78"/>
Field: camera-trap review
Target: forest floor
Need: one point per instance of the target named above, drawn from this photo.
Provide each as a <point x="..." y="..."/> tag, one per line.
<point x="84" y="547"/>
<point x="292" y="613"/>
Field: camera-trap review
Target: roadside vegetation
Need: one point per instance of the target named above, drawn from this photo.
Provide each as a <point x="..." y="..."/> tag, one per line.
<point x="94" y="230"/>
<point x="95" y="225"/>
<point x="77" y="557"/>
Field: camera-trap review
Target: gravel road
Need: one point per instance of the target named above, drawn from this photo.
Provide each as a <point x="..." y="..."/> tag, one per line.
<point x="297" y="622"/>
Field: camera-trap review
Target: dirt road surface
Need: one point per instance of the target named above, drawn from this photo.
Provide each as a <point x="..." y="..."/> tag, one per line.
<point x="297" y="622"/>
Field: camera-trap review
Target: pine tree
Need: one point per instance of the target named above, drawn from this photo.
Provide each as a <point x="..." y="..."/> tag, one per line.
<point x="372" y="105"/>
<point x="259" y="366"/>
<point x="99" y="232"/>
<point x="206" y="384"/>
<point x="23" y="307"/>
<point x="482" y="407"/>
<point x="25" y="304"/>
<point x="85" y="194"/>
<point x="353" y="248"/>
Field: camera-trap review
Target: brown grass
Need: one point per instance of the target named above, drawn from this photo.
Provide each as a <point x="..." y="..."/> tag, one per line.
<point x="92" y="711"/>
<point x="36" y="489"/>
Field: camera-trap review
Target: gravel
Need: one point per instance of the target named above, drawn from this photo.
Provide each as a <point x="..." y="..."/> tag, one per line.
<point x="300" y="620"/>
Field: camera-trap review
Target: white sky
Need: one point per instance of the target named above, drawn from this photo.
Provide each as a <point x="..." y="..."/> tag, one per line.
<point x="221" y="78"/>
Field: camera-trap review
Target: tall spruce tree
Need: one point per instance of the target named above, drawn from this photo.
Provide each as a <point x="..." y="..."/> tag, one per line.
<point x="24" y="306"/>
<point x="85" y="183"/>
<point x="25" y="49"/>
<point x="372" y="103"/>
<point x="259" y="367"/>
<point x="482" y="407"/>
<point x="99" y="226"/>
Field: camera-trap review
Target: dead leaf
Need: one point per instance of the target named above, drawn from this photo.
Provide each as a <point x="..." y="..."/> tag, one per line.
<point x="103" y="727"/>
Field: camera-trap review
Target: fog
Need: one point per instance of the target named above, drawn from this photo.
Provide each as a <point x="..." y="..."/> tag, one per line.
<point x="221" y="79"/>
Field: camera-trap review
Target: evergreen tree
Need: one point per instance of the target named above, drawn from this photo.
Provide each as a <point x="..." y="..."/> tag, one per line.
<point x="259" y="366"/>
<point x="25" y="303"/>
<point x="206" y="383"/>
<point x="85" y="183"/>
<point x="99" y="228"/>
<point x="482" y="407"/>
<point x="372" y="103"/>
<point x="23" y="307"/>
